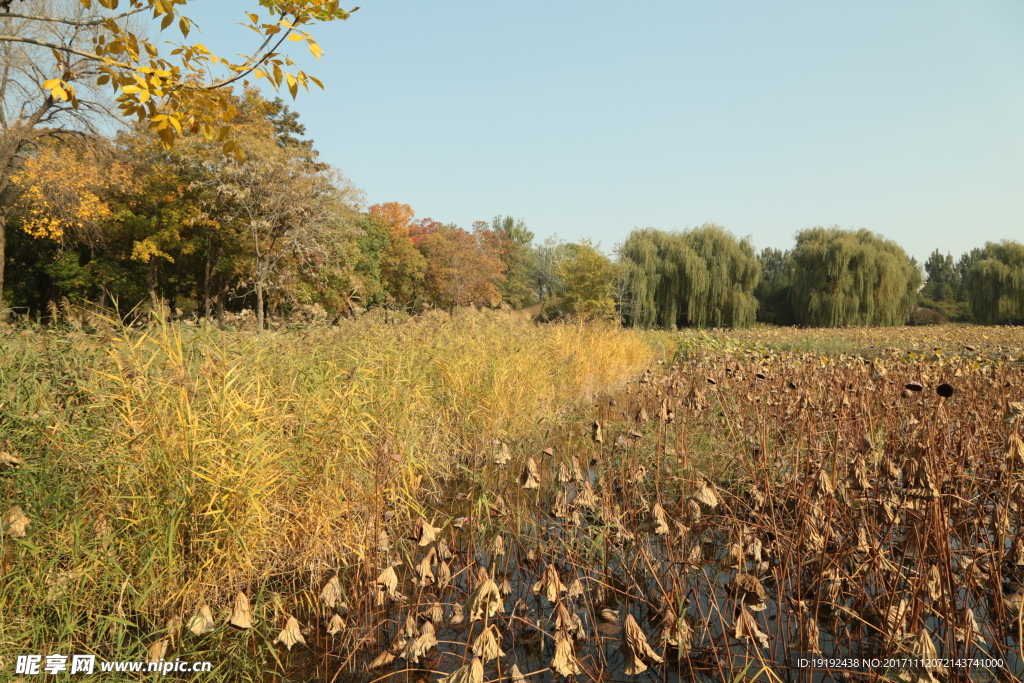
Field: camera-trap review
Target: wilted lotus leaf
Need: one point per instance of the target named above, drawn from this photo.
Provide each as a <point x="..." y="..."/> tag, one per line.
<point x="933" y="583"/>
<point x="1014" y="412"/>
<point x="59" y="583"/>
<point x="444" y="575"/>
<point x="335" y="625"/>
<point x="656" y="523"/>
<point x="387" y="585"/>
<point x="608" y="616"/>
<point x="636" y="474"/>
<point x="15" y="522"/>
<point x="1013" y="605"/>
<point x="585" y="498"/>
<point x="577" y="471"/>
<point x="564" y="475"/>
<point x="330" y="596"/>
<point x="569" y="622"/>
<point x="635" y="648"/>
<point x="575" y="589"/>
<point x="564" y="662"/>
<point x="484" y="601"/>
<point x="9" y="460"/>
<point x="924" y="661"/>
<point x="560" y="508"/>
<point x="487" y="645"/>
<point x="434" y="613"/>
<point x="424" y="534"/>
<point x="202" y="622"/>
<point x="914" y="542"/>
<point x="692" y="510"/>
<point x="857" y="480"/>
<point x="516" y="675"/>
<point x="705" y="493"/>
<point x="411" y="629"/>
<point x="1014" y="451"/>
<point x="290" y="634"/>
<point x="641" y="415"/>
<point x="241" y="617"/>
<point x="503" y="455"/>
<point x="420" y="645"/>
<point x="969" y="630"/>
<point x="381" y="660"/>
<point x="157" y="650"/>
<point x="810" y="635"/>
<point x="750" y="591"/>
<point x="550" y="586"/>
<point x="747" y="629"/>
<point x="498" y="507"/>
<point x="823" y="486"/>
<point x="530" y="477"/>
<point x="457" y="616"/>
<point x="425" y="570"/>
<point x="894" y="619"/>
<point x="598" y="432"/>
<point x="470" y="673"/>
<point x="383" y="543"/>
<point x="732" y="558"/>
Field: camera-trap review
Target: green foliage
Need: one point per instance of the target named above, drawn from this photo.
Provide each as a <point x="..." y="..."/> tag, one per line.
<point x="845" y="277"/>
<point x="774" y="290"/>
<point x="589" y="283"/>
<point x="995" y="283"/>
<point x="517" y="255"/>
<point x="703" y="277"/>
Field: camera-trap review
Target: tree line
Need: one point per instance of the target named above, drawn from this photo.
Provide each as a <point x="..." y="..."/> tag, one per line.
<point x="126" y="222"/>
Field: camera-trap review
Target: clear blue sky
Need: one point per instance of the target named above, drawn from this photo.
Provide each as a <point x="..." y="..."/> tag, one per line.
<point x="590" y="118"/>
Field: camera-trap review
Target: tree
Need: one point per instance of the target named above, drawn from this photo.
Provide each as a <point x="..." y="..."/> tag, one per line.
<point x="292" y="207"/>
<point x="544" y="271"/>
<point x="702" y="277"/>
<point x="177" y="93"/>
<point x="774" y="291"/>
<point x="589" y="283"/>
<point x="517" y="255"/>
<point x="846" y="277"/>
<point x="463" y="268"/>
<point x="402" y="266"/>
<point x="995" y="283"/>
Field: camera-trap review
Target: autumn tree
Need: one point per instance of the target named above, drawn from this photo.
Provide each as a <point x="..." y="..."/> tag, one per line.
<point x="994" y="283"/>
<point x="402" y="266"/>
<point x="588" y="278"/>
<point x="847" y="277"/>
<point x="702" y="277"/>
<point x="463" y="268"/>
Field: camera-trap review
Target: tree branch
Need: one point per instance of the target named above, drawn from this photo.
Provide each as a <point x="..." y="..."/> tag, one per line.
<point x="71" y="22"/>
<point x="52" y="46"/>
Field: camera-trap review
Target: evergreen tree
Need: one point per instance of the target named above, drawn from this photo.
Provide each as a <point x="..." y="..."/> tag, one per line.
<point x="846" y="277"/>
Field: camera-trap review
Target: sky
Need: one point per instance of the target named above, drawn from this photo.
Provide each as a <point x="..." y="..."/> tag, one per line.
<point x="588" y="118"/>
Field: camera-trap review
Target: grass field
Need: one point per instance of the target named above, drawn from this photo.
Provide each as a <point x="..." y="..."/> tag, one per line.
<point x="760" y="496"/>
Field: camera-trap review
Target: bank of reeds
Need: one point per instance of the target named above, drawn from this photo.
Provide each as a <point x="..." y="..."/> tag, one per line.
<point x="164" y="469"/>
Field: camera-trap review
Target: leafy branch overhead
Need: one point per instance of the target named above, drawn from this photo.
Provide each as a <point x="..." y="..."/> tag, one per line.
<point x="176" y="91"/>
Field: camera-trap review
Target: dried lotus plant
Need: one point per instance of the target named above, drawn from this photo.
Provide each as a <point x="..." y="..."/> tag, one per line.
<point x="635" y="648"/>
<point x="550" y="586"/>
<point x="747" y="629"/>
<point x="530" y="477"/>
<point x="656" y="521"/>
<point x="241" y="616"/>
<point x="16" y="523"/>
<point x="470" y="673"/>
<point x="485" y="601"/>
<point x="291" y="634"/>
<point x="487" y="645"/>
<point x="331" y="595"/>
<point x="202" y="621"/>
<point x="423" y="533"/>
<point x="564" y="662"/>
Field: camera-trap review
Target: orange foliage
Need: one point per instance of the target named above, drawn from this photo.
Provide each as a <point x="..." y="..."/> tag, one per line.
<point x="396" y="217"/>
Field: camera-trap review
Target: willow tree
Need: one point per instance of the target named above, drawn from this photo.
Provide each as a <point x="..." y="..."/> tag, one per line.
<point x="702" y="277"/>
<point x="846" y="277"/>
<point x="995" y="284"/>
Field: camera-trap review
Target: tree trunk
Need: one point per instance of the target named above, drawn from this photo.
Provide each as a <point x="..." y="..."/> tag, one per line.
<point x="206" y="283"/>
<point x="3" y="253"/>
<point x="259" y="307"/>
<point x="154" y="300"/>
<point x="219" y="305"/>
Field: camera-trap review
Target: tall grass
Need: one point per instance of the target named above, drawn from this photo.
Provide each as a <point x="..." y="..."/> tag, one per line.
<point x="171" y="467"/>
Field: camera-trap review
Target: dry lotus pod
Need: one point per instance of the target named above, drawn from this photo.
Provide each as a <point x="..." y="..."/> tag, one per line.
<point x="530" y="478"/>
<point x="157" y="650"/>
<point x="487" y="645"/>
<point x="241" y="617"/>
<point x="15" y="522"/>
<point x="202" y="622"/>
<point x="564" y="662"/>
<point x="470" y="673"/>
<point x="747" y="629"/>
<point x="335" y="625"/>
<point x="423" y="643"/>
<point x="503" y="456"/>
<point x="635" y="648"/>
<point x="550" y="586"/>
<point x="424" y="534"/>
<point x="656" y="523"/>
<point x="330" y="596"/>
<point x="485" y="601"/>
<point x="290" y="634"/>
